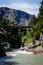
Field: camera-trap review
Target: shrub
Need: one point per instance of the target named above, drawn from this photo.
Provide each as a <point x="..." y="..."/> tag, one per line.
<point x="36" y="35"/>
<point x="33" y="41"/>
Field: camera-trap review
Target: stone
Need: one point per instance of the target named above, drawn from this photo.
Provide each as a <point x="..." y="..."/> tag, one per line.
<point x="2" y="51"/>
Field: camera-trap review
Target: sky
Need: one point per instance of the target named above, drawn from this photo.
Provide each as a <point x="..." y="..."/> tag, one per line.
<point x="29" y="6"/>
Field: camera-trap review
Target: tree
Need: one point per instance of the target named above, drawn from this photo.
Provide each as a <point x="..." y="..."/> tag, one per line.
<point x="40" y="15"/>
<point x="33" y="21"/>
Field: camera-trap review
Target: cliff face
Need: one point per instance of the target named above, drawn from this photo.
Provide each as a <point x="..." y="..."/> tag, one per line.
<point x="16" y="16"/>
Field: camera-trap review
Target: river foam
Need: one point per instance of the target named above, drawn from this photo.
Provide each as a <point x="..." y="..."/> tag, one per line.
<point x="17" y="51"/>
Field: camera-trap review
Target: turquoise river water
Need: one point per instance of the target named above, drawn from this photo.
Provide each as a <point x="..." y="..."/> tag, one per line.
<point x="21" y="58"/>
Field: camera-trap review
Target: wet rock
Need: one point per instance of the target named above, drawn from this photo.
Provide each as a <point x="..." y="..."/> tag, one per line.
<point x="2" y="52"/>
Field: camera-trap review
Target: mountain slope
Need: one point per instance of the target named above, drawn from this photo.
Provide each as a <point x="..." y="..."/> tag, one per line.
<point x="16" y="16"/>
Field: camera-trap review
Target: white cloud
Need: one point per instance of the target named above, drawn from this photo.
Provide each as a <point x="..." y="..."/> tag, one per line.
<point x="29" y="8"/>
<point x="24" y="5"/>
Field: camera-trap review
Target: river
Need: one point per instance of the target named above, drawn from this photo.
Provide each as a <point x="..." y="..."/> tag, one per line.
<point x="18" y="57"/>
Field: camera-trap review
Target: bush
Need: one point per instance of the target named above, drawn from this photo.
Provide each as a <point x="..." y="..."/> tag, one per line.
<point x="36" y="35"/>
<point x="33" y="41"/>
<point x="23" y="39"/>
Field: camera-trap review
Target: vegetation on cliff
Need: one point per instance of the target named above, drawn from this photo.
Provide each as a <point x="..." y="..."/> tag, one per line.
<point x="37" y="23"/>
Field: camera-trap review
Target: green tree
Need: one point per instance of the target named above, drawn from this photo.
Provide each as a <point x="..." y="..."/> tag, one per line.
<point x="33" y="21"/>
<point x="40" y="15"/>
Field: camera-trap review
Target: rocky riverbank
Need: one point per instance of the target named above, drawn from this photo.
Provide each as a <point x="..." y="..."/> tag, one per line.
<point x="29" y="47"/>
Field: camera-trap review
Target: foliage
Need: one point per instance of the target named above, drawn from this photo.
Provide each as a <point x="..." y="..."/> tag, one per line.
<point x="4" y="21"/>
<point x="40" y="15"/>
<point x="33" y="21"/>
<point x="23" y="39"/>
<point x="36" y="35"/>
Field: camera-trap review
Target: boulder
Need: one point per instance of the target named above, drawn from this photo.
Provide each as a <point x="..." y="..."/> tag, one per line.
<point x="2" y="52"/>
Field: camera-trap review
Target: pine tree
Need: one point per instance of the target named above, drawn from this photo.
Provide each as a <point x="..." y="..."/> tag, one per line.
<point x="33" y="21"/>
<point x="40" y="15"/>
